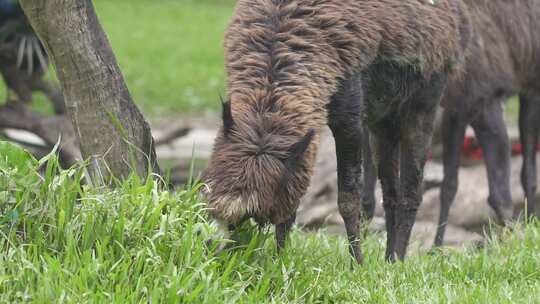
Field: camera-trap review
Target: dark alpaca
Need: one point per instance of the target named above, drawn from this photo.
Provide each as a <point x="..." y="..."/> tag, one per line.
<point x="23" y="61"/>
<point x="295" y="66"/>
<point x="504" y="59"/>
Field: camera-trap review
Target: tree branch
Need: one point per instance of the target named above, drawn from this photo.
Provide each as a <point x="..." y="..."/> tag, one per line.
<point x="15" y="115"/>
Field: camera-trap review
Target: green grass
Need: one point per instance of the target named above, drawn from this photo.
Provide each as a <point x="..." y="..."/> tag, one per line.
<point x="63" y="242"/>
<point x="170" y="51"/>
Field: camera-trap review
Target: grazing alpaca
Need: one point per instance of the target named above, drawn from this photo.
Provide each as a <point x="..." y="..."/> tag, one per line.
<point x="295" y="66"/>
<point x="503" y="60"/>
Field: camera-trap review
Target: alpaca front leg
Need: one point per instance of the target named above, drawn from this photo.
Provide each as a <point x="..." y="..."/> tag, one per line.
<point x="349" y="158"/>
<point x="282" y="232"/>
<point x="370" y="178"/>
<point x="345" y="121"/>
<point x="387" y="160"/>
<point x="416" y="131"/>
<point x="411" y="173"/>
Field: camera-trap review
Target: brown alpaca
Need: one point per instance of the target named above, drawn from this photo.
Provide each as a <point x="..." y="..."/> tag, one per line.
<point x="295" y="66"/>
<point x="504" y="60"/>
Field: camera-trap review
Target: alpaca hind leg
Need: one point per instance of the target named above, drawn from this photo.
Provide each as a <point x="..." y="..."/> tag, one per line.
<point x="529" y="127"/>
<point x="453" y="133"/>
<point x="493" y="137"/>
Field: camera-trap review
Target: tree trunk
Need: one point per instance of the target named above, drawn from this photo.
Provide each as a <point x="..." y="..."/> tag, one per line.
<point x="113" y="133"/>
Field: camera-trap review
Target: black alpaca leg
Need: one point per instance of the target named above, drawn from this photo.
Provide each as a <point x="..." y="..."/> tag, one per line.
<point x="345" y="122"/>
<point x="370" y="179"/>
<point x="349" y="187"/>
<point x="349" y="157"/>
<point x="387" y="160"/>
<point x="416" y="140"/>
<point x="491" y="132"/>
<point x="453" y="133"/>
<point x="416" y="129"/>
<point x="282" y="232"/>
<point x="529" y="127"/>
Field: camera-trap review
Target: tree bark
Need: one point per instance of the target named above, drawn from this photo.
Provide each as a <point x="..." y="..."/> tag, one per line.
<point x="112" y="131"/>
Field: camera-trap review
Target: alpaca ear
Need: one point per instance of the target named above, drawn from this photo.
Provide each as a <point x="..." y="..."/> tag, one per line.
<point x="296" y="152"/>
<point x="226" y="113"/>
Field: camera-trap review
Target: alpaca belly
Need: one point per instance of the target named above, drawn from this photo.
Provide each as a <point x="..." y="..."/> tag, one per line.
<point x="387" y="85"/>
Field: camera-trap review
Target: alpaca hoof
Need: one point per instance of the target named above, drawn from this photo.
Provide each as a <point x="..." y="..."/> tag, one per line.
<point x="504" y="215"/>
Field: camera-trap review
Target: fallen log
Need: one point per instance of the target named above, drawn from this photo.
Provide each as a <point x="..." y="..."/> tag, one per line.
<point x="15" y="115"/>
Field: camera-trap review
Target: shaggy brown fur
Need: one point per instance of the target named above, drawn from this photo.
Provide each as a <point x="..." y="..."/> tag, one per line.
<point x="295" y="65"/>
<point x="504" y="60"/>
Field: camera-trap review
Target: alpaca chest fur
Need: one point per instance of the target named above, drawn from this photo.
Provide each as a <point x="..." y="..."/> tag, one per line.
<point x="288" y="60"/>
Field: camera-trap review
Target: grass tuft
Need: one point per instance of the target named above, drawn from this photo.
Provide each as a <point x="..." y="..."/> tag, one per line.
<point x="63" y="241"/>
